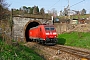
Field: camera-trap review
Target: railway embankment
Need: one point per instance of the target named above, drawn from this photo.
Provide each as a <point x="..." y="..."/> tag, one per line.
<point x="54" y="53"/>
<point x="76" y="39"/>
<point x="16" y="51"/>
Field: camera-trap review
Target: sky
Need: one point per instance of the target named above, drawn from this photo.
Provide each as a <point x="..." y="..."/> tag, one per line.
<point x="50" y="4"/>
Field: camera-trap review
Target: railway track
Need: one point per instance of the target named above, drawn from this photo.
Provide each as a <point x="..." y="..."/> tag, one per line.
<point x="76" y="52"/>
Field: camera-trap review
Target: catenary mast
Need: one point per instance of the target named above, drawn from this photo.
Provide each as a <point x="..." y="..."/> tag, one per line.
<point x="68" y="10"/>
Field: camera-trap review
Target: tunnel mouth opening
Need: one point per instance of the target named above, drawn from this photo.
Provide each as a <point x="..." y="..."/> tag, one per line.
<point x="30" y="25"/>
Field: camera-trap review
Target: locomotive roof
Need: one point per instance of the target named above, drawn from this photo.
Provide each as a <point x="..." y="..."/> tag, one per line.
<point x="49" y="25"/>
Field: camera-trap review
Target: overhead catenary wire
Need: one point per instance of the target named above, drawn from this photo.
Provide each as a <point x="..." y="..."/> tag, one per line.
<point x="77" y="3"/>
<point x="69" y="6"/>
<point x="54" y="4"/>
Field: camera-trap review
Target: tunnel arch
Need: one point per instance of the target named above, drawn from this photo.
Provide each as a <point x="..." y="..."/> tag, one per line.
<point x="29" y="25"/>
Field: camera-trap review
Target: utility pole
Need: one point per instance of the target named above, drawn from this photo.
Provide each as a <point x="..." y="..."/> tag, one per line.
<point x="11" y="23"/>
<point x="68" y="10"/>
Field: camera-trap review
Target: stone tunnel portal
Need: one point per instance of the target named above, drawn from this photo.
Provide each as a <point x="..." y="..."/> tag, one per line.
<point x="30" y="25"/>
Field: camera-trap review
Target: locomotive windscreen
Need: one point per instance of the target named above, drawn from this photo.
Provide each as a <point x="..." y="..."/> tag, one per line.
<point x="49" y="28"/>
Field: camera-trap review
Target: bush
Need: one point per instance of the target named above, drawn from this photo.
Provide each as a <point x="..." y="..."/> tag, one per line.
<point x="20" y="52"/>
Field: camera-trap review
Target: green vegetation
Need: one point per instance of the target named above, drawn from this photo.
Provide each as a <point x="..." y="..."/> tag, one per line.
<point x="77" y="39"/>
<point x="19" y="52"/>
<point x="4" y="12"/>
<point x="74" y="16"/>
<point x="80" y="16"/>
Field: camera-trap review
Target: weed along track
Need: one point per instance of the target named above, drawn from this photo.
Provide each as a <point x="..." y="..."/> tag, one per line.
<point x="72" y="51"/>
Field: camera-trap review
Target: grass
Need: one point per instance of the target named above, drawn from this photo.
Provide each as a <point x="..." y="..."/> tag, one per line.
<point x="77" y="39"/>
<point x="20" y="52"/>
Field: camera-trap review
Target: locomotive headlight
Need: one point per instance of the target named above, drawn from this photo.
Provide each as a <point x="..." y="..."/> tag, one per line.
<point x="55" y="36"/>
<point x="43" y="39"/>
<point x="47" y="33"/>
<point x="54" y="33"/>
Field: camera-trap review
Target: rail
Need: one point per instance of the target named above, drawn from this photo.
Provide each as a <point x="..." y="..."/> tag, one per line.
<point x="76" y="52"/>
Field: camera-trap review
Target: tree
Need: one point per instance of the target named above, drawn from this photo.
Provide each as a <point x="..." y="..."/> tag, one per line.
<point x="65" y="11"/>
<point x="20" y="9"/>
<point x="25" y="9"/>
<point x="42" y="11"/>
<point x="77" y="12"/>
<point x="36" y="10"/>
<point x="54" y="12"/>
<point x="83" y="11"/>
<point x="49" y="13"/>
<point x="31" y="10"/>
<point x="61" y="13"/>
<point x="3" y="9"/>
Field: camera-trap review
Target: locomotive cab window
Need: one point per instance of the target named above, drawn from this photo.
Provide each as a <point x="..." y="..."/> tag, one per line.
<point x="47" y="28"/>
<point x="52" y="28"/>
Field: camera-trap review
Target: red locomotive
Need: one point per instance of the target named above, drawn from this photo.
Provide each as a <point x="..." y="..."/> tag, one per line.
<point x="45" y="34"/>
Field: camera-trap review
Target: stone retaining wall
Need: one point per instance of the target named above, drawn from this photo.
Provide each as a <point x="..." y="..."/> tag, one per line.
<point x="20" y="25"/>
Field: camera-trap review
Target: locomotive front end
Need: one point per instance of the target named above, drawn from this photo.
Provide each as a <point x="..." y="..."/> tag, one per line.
<point x="51" y="35"/>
